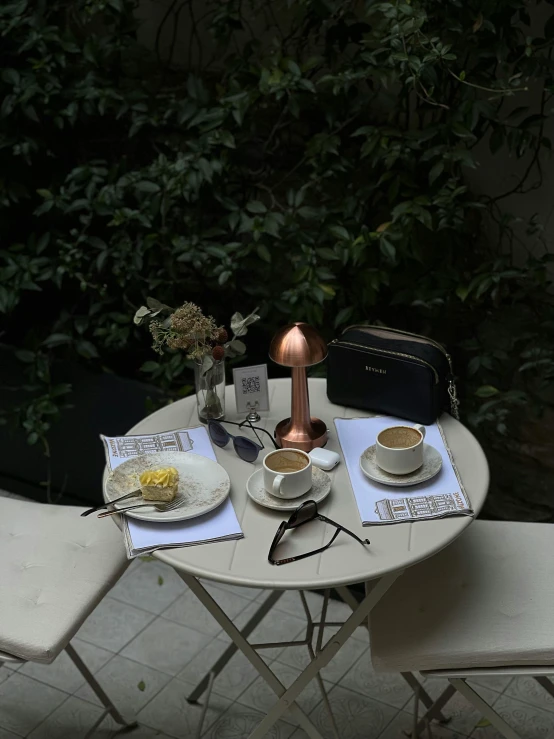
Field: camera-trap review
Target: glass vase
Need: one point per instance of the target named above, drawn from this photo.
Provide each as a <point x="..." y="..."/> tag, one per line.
<point x="210" y="390"/>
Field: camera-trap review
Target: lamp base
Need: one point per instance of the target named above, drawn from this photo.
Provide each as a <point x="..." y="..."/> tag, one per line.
<point x="300" y="437"/>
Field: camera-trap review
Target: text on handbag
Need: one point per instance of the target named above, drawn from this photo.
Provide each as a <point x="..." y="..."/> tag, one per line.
<point x="376" y="370"/>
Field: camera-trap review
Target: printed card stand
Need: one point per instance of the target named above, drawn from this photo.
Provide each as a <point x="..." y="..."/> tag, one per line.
<point x="251" y="390"/>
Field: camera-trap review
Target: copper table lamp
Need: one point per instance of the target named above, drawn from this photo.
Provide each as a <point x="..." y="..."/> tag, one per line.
<point x="299" y="346"/>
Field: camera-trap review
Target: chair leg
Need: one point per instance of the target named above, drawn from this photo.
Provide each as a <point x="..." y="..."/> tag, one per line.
<point x="98" y="690"/>
<point x="435" y="710"/>
<point x="425" y="721"/>
<point x="483" y="707"/>
<point x="417" y="691"/>
<point x="545" y="683"/>
<point x="424" y="696"/>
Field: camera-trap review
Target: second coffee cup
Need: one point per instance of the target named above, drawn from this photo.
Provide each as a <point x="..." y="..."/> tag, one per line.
<point x="399" y="449"/>
<point x="287" y="473"/>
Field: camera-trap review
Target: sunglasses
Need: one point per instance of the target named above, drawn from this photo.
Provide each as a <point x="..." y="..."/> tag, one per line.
<point x="245" y="448"/>
<point x="303" y="514"/>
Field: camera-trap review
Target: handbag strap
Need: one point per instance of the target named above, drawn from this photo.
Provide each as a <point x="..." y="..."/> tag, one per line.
<point x="452" y="391"/>
<point x="453" y="395"/>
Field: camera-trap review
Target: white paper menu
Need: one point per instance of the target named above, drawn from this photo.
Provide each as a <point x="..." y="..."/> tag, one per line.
<point x="443" y="495"/>
<point x="142" y="537"/>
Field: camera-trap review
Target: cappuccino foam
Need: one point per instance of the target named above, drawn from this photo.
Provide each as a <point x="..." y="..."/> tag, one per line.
<point x="399" y="437"/>
<point x="286" y="461"/>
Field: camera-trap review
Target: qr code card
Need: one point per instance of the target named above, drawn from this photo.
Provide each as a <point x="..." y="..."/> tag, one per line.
<point x="251" y="388"/>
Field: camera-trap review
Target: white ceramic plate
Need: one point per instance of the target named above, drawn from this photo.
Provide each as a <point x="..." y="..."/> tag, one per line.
<point x="203" y="484"/>
<point x="321" y="487"/>
<point x="432" y="463"/>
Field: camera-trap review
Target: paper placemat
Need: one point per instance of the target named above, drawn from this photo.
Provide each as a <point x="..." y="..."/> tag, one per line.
<point x="143" y="537"/>
<point x="443" y="495"/>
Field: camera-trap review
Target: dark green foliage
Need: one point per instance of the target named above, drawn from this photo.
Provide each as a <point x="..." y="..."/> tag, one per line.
<point x="316" y="166"/>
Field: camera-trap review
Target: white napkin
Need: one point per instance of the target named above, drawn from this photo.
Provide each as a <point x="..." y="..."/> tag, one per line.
<point x="143" y="537"/>
<point x="443" y="495"/>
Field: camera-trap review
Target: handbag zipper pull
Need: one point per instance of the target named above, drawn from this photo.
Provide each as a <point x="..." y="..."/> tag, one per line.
<point x="452" y="392"/>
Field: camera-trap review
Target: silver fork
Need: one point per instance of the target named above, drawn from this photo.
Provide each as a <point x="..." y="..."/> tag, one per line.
<point x="133" y="494"/>
<point x="161" y="507"/>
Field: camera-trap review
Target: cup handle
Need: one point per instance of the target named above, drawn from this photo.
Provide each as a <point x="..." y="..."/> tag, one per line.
<point x="277" y="480"/>
<point x="421" y="429"/>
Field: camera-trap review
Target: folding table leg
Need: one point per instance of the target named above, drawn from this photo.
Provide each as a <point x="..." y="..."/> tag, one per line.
<point x="348" y="598"/>
<point x="250" y="653"/>
<point x="262" y="611"/>
<point x="319" y="644"/>
<point x="205" y="706"/>
<point x="483" y="707"/>
<point x="326" y="655"/>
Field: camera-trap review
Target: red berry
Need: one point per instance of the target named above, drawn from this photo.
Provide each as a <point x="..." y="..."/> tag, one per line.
<point x="218" y="353"/>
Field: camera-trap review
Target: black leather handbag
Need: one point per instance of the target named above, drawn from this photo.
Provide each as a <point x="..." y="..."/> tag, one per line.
<point x="391" y="372"/>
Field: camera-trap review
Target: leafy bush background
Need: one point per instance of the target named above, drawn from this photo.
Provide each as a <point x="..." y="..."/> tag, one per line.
<point x="315" y="165"/>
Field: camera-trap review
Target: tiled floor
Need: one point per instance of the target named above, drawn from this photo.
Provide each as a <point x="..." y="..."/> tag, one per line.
<point x="150" y="641"/>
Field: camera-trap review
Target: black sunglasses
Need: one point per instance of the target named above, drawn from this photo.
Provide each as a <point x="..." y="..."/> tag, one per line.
<point x="245" y="448"/>
<point x="304" y="513"/>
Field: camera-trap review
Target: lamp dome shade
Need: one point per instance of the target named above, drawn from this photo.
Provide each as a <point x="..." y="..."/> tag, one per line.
<point x="297" y="345"/>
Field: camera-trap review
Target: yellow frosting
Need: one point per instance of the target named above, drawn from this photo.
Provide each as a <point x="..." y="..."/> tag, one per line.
<point x="163" y="478"/>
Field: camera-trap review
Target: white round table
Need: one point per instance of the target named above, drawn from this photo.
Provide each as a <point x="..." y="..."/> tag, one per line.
<point x="393" y="547"/>
<point x="244" y="562"/>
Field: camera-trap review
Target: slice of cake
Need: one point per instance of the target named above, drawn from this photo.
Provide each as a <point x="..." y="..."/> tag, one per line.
<point x="160" y="485"/>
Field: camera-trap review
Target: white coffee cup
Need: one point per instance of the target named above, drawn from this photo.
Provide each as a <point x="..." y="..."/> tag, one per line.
<point x="287" y="473"/>
<point x="399" y="449"/>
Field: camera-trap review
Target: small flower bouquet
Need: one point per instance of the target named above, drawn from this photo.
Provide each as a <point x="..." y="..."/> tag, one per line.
<point x="207" y="344"/>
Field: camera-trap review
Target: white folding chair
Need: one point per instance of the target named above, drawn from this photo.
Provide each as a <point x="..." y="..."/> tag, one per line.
<point x="483" y="606"/>
<point x="55" y="567"/>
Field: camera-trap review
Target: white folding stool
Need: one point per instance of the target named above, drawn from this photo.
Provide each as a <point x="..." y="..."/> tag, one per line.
<point x="55" y="567"/>
<point x="483" y="606"/>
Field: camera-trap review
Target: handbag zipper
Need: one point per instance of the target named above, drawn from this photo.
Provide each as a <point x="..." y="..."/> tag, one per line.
<point x="390" y="351"/>
<point x="404" y="333"/>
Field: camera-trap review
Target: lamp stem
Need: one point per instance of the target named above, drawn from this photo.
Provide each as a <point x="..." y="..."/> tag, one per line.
<point x="300" y="404"/>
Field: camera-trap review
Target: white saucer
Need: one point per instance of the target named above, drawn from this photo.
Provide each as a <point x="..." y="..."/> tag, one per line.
<point x="432" y="463"/>
<point x="321" y="487"/>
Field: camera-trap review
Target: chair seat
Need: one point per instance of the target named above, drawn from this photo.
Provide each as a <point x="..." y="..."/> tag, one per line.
<point x="485" y="601"/>
<point x="55" y="567"/>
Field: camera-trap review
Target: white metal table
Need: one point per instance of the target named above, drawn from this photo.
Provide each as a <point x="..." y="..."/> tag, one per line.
<point x="244" y="562"/>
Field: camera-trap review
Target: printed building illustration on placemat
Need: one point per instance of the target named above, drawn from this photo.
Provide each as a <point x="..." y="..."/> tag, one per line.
<point x="421" y="507"/>
<point x="170" y="441"/>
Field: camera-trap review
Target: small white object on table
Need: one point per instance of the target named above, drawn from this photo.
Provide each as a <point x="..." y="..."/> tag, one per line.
<point x="244" y="562"/>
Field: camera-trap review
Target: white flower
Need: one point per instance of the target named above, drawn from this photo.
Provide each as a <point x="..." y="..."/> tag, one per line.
<point x="239" y="324"/>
